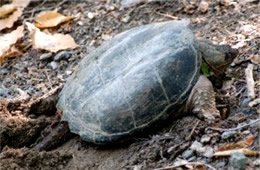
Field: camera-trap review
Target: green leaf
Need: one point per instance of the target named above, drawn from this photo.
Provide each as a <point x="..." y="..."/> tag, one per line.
<point x="205" y="70"/>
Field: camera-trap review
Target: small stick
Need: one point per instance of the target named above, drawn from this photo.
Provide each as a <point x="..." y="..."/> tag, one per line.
<point x="192" y="131"/>
<point x="167" y="15"/>
<point x="237" y="128"/>
<point x="254" y="102"/>
<point x="188" y="163"/>
<point x="250" y="81"/>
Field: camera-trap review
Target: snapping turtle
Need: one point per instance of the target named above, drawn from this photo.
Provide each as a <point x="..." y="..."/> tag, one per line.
<point x="139" y="79"/>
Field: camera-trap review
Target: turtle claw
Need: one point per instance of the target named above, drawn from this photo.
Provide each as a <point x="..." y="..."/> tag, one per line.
<point x="209" y="116"/>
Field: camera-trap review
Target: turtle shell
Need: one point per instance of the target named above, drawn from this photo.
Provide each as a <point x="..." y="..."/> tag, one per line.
<point x="132" y="82"/>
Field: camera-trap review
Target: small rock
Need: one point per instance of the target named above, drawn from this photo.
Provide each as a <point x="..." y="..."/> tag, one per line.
<point x="188" y="154"/>
<point x="4" y="92"/>
<point x="126" y="19"/>
<point x="228" y="134"/>
<point x="238" y="161"/>
<point x="54" y="65"/>
<point x="4" y="71"/>
<point x="129" y="3"/>
<point x="91" y="15"/>
<point x="208" y="152"/>
<point x="68" y="72"/>
<point x="256" y="162"/>
<point x="203" y="7"/>
<point x="198" y="147"/>
<point x="192" y="159"/>
<point x="45" y="56"/>
<point x="246" y="132"/>
<point x="205" y="139"/>
<point x="63" y="55"/>
<point x="225" y="3"/>
<point x="221" y="164"/>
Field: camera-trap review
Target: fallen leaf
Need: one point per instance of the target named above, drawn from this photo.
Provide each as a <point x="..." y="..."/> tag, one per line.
<point x="244" y="151"/>
<point x="21" y="3"/>
<point x="9" y="21"/>
<point x="7" y="9"/>
<point x="7" y="40"/>
<point x="255" y="59"/>
<point x="49" y="19"/>
<point x="50" y="42"/>
<point x="241" y="144"/>
<point x="13" y="52"/>
<point x="200" y="167"/>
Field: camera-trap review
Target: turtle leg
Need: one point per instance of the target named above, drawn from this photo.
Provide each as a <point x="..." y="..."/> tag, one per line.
<point x="59" y="133"/>
<point x="201" y="101"/>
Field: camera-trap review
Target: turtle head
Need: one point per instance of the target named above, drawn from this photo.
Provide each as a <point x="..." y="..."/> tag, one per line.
<point x="217" y="57"/>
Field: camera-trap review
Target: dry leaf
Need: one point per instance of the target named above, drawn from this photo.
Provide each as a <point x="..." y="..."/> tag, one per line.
<point x="21" y="3"/>
<point x="13" y="52"/>
<point x="241" y="144"/>
<point x="9" y="21"/>
<point x="7" y="9"/>
<point x="244" y="151"/>
<point x="52" y="43"/>
<point x="200" y="167"/>
<point x="255" y="59"/>
<point x="48" y="19"/>
<point x="9" y="39"/>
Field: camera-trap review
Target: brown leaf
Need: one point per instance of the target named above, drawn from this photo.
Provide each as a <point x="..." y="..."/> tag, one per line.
<point x="13" y="52"/>
<point x="7" y="40"/>
<point x="200" y="167"/>
<point x="7" y="9"/>
<point x="255" y="59"/>
<point x="49" y="19"/>
<point x="52" y="43"/>
<point x="21" y="3"/>
<point x="9" y="21"/>
<point x="241" y="144"/>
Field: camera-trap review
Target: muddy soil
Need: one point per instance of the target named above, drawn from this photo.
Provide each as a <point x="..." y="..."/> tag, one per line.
<point x="24" y="80"/>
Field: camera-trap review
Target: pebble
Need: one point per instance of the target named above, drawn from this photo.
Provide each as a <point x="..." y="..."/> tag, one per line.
<point x="4" y="71"/>
<point x="68" y="72"/>
<point x="54" y="65"/>
<point x="91" y="15"/>
<point x="4" y="92"/>
<point x="238" y="161"/>
<point x="63" y="55"/>
<point x="221" y="164"/>
<point x="228" y="134"/>
<point x="191" y="159"/>
<point x="256" y="162"/>
<point x="45" y="56"/>
<point x="188" y="154"/>
<point x="205" y="139"/>
<point x="203" y="7"/>
<point x="198" y="147"/>
<point x="208" y="152"/>
<point x="126" y="19"/>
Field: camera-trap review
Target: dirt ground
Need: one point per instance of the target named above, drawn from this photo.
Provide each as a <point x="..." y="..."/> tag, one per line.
<point x="25" y="79"/>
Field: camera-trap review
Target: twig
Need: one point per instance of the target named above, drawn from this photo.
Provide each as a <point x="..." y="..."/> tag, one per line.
<point x="192" y="131"/>
<point x="45" y="9"/>
<point x="51" y="92"/>
<point x="254" y="102"/>
<point x="250" y="81"/>
<point x="188" y="163"/>
<point x="47" y="75"/>
<point x="167" y="15"/>
<point x="237" y="128"/>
